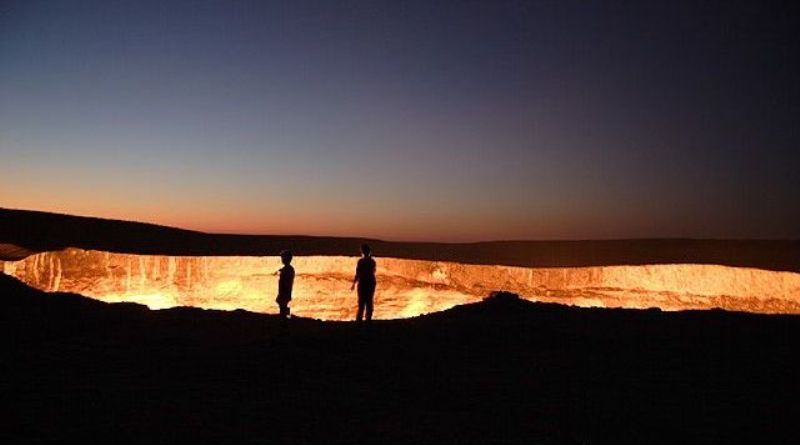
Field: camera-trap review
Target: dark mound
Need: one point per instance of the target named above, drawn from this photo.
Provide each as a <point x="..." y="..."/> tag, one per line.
<point x="504" y="370"/>
<point x="40" y="231"/>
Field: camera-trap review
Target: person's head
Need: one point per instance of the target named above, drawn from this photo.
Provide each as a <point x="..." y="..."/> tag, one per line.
<point x="286" y="257"/>
<point x="365" y="250"/>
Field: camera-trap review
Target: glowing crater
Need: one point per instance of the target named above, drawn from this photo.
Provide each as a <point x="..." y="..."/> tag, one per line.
<point x="406" y="288"/>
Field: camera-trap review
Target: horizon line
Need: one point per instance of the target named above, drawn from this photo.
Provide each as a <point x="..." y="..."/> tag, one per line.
<point x="383" y="240"/>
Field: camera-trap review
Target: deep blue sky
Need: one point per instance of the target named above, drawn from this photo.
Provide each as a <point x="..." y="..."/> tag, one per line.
<point x="429" y="120"/>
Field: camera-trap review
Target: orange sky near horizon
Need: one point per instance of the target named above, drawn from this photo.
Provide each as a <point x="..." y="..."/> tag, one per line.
<point x="230" y="221"/>
<point x="430" y="121"/>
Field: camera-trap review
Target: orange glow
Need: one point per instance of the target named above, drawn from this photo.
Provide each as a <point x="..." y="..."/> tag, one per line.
<point x="406" y="288"/>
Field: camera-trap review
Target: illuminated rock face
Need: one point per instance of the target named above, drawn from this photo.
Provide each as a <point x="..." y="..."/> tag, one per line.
<point x="405" y="287"/>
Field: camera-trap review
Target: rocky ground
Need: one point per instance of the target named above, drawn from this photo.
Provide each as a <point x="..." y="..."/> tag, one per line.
<point x="503" y="370"/>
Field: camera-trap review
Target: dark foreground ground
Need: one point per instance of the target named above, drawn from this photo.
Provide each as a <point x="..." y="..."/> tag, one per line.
<point x="501" y="371"/>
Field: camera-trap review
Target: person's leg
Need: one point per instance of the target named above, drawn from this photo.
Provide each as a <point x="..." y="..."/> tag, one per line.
<point x="360" y="313"/>
<point x="284" y="314"/>
<point x="369" y="310"/>
<point x="284" y="309"/>
<point x="369" y="305"/>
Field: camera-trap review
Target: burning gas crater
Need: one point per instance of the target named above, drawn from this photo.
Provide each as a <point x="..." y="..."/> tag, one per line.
<point x="406" y="288"/>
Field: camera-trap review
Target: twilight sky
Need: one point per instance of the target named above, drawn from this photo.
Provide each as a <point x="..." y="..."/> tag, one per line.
<point x="430" y="120"/>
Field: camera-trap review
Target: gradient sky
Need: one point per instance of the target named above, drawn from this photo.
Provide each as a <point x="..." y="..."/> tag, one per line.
<point x="430" y="120"/>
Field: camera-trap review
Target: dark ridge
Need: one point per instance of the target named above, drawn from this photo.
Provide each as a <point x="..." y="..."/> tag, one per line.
<point x="40" y="231"/>
<point x="501" y="371"/>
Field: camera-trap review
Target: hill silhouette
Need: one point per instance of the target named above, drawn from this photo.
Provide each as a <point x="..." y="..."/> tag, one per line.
<point x="504" y="370"/>
<point x="41" y="231"/>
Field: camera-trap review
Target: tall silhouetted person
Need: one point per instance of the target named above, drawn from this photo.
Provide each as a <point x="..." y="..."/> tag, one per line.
<point x="285" y="284"/>
<point x="365" y="278"/>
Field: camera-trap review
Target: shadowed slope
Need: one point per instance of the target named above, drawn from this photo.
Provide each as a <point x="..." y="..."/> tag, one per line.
<point x="504" y="370"/>
<point x="40" y="231"/>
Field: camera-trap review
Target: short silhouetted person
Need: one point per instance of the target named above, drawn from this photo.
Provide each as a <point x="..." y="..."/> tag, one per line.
<point x="285" y="283"/>
<point x="365" y="279"/>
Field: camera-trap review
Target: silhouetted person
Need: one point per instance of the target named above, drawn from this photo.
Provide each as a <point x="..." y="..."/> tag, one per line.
<point x="285" y="283"/>
<point x="365" y="278"/>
